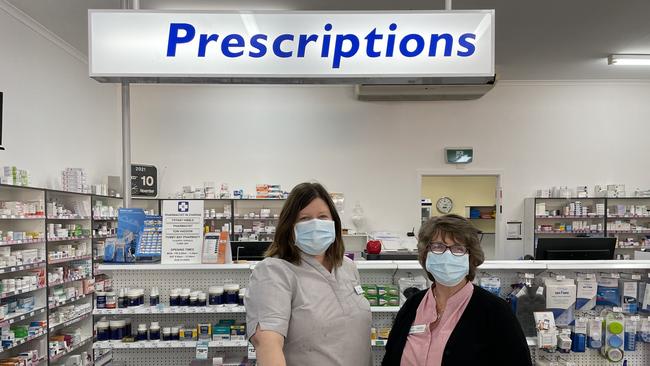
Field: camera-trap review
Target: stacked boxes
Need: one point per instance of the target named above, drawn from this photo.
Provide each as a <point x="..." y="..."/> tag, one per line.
<point x="381" y="295"/>
<point x="74" y="180"/>
<point x="14" y="176"/>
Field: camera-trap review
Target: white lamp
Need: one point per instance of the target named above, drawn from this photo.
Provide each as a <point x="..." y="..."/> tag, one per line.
<point x="629" y="60"/>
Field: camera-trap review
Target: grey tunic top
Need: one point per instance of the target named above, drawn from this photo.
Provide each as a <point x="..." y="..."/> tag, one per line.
<point x="323" y="319"/>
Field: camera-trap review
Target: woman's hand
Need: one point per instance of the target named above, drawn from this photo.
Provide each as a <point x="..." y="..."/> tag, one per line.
<point x="268" y="347"/>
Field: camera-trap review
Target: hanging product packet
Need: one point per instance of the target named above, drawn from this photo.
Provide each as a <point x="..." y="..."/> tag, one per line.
<point x="629" y="289"/>
<point x="491" y="284"/>
<point x="409" y="286"/>
<point x="644" y="295"/>
<point x="561" y="299"/>
<point x="608" y="293"/>
<point x="644" y="330"/>
<point x="529" y="300"/>
<point x="587" y="288"/>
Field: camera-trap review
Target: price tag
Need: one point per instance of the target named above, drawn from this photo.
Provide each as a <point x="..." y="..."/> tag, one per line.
<point x="529" y="275"/>
<point x="616" y="275"/>
<point x="21" y="268"/>
<point x="617" y="309"/>
<point x="560" y="277"/>
<point x="636" y="276"/>
<point x="120" y="311"/>
<point x="380" y="343"/>
<point x="13" y="269"/>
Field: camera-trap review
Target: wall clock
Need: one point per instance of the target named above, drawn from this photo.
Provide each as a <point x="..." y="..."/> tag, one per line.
<point x="444" y="205"/>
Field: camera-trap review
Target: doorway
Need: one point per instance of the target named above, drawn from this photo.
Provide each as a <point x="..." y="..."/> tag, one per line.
<point x="471" y="196"/>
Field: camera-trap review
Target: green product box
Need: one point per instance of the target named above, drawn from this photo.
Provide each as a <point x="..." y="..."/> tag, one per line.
<point x="381" y="290"/>
<point x="373" y="300"/>
<point x="392" y="290"/>
<point x="369" y="290"/>
<point x="227" y="322"/>
<point x="391" y="300"/>
<point x="221" y="332"/>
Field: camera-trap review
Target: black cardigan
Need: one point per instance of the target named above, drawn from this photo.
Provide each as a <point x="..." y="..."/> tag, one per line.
<point x="487" y="333"/>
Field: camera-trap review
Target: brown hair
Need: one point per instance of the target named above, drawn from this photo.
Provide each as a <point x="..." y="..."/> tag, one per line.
<point x="284" y="246"/>
<point x="460" y="231"/>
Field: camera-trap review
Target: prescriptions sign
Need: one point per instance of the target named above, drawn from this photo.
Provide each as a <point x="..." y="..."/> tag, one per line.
<point x="131" y="43"/>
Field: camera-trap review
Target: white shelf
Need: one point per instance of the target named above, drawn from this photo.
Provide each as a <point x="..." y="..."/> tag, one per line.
<point x="59" y="283"/>
<point x="20" y="316"/>
<point x="22" y="267"/>
<point x="23" y="341"/>
<point x="70" y="322"/>
<point x="173" y="267"/>
<point x="71" y="259"/>
<point x="69" y="218"/>
<point x="368" y="265"/>
<point x="166" y="344"/>
<point x="25" y="241"/>
<point x="512" y="265"/>
<point x="403" y="265"/>
<point x="384" y="309"/>
<point x="70" y="238"/>
<point x="14" y="217"/>
<point x="602" y="264"/>
<point x="69" y="301"/>
<point x="104" y="360"/>
<point x="172" y="310"/>
<point x="18" y="292"/>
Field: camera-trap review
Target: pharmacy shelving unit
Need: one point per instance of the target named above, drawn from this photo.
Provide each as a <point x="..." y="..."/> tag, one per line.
<point x="629" y="222"/>
<point x="22" y="223"/>
<point x="167" y="277"/>
<point x="619" y="220"/>
<point x="80" y="206"/>
<point x="104" y="222"/>
<point x="564" y="225"/>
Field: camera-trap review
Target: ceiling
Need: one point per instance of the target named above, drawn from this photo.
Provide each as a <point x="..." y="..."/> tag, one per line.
<point x="535" y="40"/>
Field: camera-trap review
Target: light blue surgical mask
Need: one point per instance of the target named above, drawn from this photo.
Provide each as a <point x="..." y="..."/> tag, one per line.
<point x="448" y="269"/>
<point x="315" y="236"/>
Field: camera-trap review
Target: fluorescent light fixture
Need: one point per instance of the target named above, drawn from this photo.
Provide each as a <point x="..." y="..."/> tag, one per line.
<point x="629" y="60"/>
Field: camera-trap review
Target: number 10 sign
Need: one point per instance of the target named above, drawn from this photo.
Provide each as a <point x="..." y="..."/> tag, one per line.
<point x="144" y="180"/>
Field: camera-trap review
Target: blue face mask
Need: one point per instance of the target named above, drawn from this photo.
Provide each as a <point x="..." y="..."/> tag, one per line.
<point x="448" y="269"/>
<point x="315" y="236"/>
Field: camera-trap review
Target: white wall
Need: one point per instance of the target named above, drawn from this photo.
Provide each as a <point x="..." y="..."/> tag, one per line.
<point x="54" y="115"/>
<point x="538" y="135"/>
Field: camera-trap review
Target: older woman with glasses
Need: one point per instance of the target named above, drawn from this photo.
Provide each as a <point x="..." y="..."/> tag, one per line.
<point x="454" y="322"/>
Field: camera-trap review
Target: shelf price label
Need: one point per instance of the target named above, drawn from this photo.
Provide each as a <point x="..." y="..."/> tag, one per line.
<point x="144" y="180"/>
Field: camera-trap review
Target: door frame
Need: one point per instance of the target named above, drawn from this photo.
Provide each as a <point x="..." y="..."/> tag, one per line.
<point x="498" y="240"/>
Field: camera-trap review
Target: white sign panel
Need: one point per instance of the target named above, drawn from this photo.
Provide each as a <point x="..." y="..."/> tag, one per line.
<point x="132" y="43"/>
<point x="182" y="231"/>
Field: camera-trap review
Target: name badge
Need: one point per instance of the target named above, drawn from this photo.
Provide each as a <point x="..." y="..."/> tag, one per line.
<point x="358" y="289"/>
<point x="417" y="329"/>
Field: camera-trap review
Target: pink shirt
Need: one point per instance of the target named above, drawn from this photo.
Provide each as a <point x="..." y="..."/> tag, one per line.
<point x="425" y="346"/>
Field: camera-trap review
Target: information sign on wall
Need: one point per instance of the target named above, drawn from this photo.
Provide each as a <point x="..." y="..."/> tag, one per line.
<point x="144" y="180"/>
<point x="182" y="231"/>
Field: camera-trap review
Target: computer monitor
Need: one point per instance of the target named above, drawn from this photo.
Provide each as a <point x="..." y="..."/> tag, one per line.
<point x="249" y="250"/>
<point x="575" y="248"/>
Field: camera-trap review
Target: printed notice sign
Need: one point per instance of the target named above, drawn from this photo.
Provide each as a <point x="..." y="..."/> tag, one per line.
<point x="182" y="231"/>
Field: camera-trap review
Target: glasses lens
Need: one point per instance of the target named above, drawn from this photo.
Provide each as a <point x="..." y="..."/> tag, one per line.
<point x="458" y="250"/>
<point x="438" y="248"/>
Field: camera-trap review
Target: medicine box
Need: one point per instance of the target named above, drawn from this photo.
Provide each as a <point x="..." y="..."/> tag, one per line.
<point x="220" y="332"/>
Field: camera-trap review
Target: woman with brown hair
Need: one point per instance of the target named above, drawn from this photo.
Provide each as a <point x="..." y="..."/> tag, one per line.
<point x="305" y="305"/>
<point x="454" y="323"/>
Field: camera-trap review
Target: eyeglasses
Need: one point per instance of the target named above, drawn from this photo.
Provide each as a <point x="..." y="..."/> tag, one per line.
<point x="440" y="248"/>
